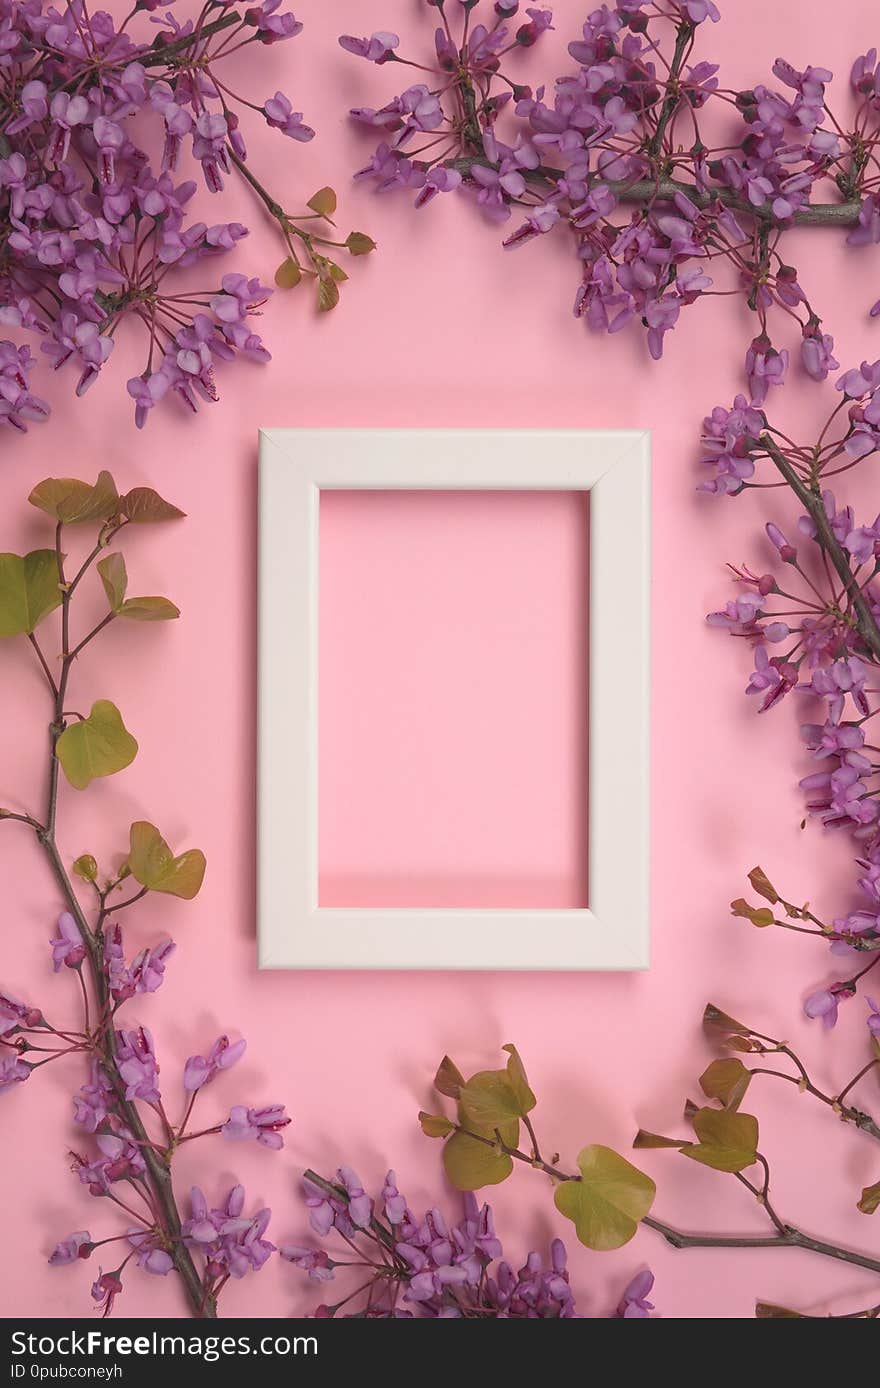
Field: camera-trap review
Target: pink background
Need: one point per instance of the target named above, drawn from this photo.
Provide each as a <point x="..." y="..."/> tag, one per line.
<point x="441" y="328"/>
<point x="453" y="699"/>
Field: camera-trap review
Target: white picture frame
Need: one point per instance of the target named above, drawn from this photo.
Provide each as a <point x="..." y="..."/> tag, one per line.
<point x="295" y="465"/>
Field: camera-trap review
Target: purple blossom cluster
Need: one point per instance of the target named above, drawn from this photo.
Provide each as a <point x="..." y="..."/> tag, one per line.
<point x="95" y="228"/>
<point x="616" y="153"/>
<point x="425" y="1266"/>
<point x="121" y="1108"/>
<point x="813" y="625"/>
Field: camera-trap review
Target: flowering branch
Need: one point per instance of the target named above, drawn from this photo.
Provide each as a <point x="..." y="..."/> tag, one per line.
<point x="93" y="228"/>
<point x="121" y="1105"/>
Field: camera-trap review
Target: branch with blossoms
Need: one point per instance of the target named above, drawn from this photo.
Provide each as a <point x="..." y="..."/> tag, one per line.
<point x="94" y="224"/>
<point x="813" y="624"/>
<point x="129" y="1137"/>
<point x="408" y="1265"/>
<point x="659" y="174"/>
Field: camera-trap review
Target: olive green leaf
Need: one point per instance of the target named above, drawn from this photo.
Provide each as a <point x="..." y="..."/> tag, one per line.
<point x="471" y="1164"/>
<point x="448" y="1079"/>
<point x="99" y="745"/>
<point x="85" y="868"/>
<point x="323" y="202"/>
<point x="763" y="886"/>
<point x="115" y="581"/>
<point x="493" y="1097"/>
<point x="154" y="865"/>
<point x="29" y="590"/>
<point x="727" y="1141"/>
<point x="726" y="1080"/>
<point x="357" y="243"/>
<point x="143" y="506"/>
<point x="435" y="1125"/>
<point x="114" y="578"/>
<point x="288" y="274"/>
<point x="74" y="502"/>
<point x="870" y="1201"/>
<point x="608" y="1202"/>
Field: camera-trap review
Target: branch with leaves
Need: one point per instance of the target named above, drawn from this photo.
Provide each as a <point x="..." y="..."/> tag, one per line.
<point x="130" y="1136"/>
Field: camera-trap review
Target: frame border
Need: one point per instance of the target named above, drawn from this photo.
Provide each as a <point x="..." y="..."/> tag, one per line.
<point x="294" y="932"/>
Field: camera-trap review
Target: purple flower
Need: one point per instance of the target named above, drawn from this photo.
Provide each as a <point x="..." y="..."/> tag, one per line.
<point x="271" y="26"/>
<point x="634" y="1302"/>
<point x="151" y="1256"/>
<point x="314" y="1261"/>
<point x="105" y="1289"/>
<point x="280" y="114"/>
<point x="824" y="1003"/>
<point x="262" y="1125"/>
<point x="873" y="1017"/>
<point x="137" y="1065"/>
<point x="376" y="49"/>
<point x="765" y="367"/>
<point x="75" y="1246"/>
<point x="231" y="1242"/>
<point x="12" y="1071"/>
<point x="222" y="1056"/>
<point x="67" y="947"/>
<point x="15" y="1015"/>
<point x="817" y="353"/>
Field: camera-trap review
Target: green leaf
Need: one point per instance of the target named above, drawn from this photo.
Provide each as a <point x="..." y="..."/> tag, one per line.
<point x="288" y="274"/>
<point x="85" y="868"/>
<point x="29" y="590"/>
<point x="323" y="202"/>
<point x="449" y="1079"/>
<point x="100" y="745"/>
<point x="143" y="506"/>
<point x="607" y="1204"/>
<point x="870" y="1201"/>
<point x="114" y="578"/>
<point x="357" y="243"/>
<point x="154" y="865"/>
<point x="727" y="1141"/>
<point x="435" y="1125"/>
<point x="646" y="1139"/>
<point x="149" y="610"/>
<point x="74" y="502"/>
<point x="336" y="272"/>
<point x="726" y="1080"/>
<point x="328" y="295"/>
<point x="517" y="1075"/>
<point x="491" y="1098"/>
<point x="470" y="1165"/>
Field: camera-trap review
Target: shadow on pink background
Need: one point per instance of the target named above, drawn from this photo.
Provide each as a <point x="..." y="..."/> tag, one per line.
<point x="441" y="328"/>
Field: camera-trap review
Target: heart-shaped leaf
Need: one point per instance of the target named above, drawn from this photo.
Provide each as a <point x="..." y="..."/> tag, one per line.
<point x="328" y="295"/>
<point x="29" y="590"/>
<point x="288" y="274"/>
<point x="154" y="865"/>
<point x="727" y="1141"/>
<point x="114" y="578"/>
<point x="608" y="1202"/>
<point x="74" y="502"/>
<point x="726" y="1080"/>
<point x="99" y="745"/>
<point x="643" y="1138"/>
<point x="143" y="506"/>
<point x="470" y="1164"/>
<point x="323" y="202"/>
<point x="358" y="243"/>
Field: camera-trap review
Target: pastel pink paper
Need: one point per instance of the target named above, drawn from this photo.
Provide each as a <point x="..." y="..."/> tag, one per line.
<point x="441" y="328"/>
<point x="452" y="719"/>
